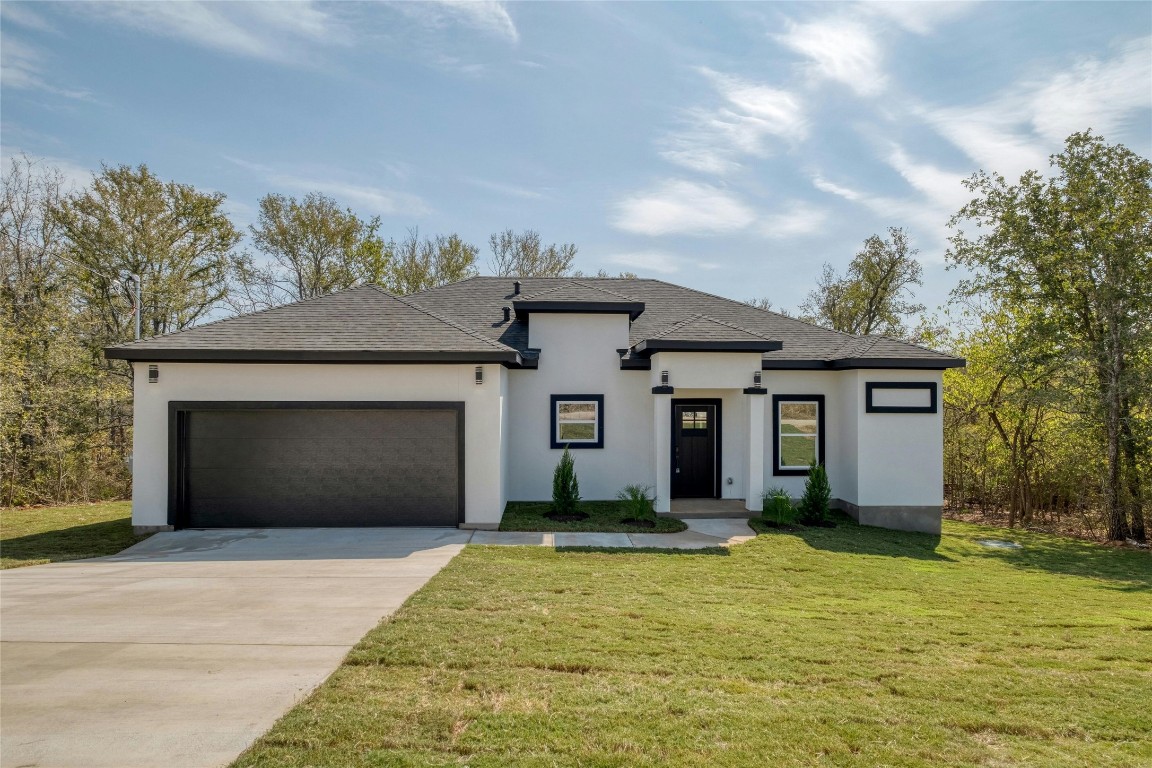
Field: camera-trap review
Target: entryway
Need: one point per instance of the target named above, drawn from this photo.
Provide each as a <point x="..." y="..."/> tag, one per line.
<point x="696" y="449"/>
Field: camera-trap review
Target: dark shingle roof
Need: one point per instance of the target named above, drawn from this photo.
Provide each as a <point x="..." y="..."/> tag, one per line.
<point x="363" y="323"/>
<point x="463" y="322"/>
<point x="476" y="303"/>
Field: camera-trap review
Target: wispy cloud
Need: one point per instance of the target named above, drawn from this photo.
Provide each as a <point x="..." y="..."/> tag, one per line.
<point x="841" y="48"/>
<point x="676" y="206"/>
<point x="917" y="16"/>
<point x="713" y="139"/>
<point x="1017" y="130"/>
<point x="797" y="219"/>
<point x="279" y="32"/>
<point x="372" y="199"/>
<point x="75" y="175"/>
<point x="648" y="261"/>
<point x="832" y="188"/>
<point x="22" y="67"/>
<point x="22" y="14"/>
<point x="490" y="18"/>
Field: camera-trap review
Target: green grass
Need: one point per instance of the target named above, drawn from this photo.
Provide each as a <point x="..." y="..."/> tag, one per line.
<point x="603" y="516"/>
<point x="37" y="535"/>
<point x="820" y="647"/>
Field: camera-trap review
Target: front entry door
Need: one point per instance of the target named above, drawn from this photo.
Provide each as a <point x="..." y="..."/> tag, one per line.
<point x="695" y="449"/>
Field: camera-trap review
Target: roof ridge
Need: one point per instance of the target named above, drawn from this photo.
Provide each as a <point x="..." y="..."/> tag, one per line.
<point x="735" y="327"/>
<point x="914" y="345"/>
<point x="677" y="326"/>
<point x="578" y="281"/>
<point x="446" y="321"/>
<point x="266" y="310"/>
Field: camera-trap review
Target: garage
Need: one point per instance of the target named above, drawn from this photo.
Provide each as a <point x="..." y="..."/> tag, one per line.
<point x="292" y="465"/>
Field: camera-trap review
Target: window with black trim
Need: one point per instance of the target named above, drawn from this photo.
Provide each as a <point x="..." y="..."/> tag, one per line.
<point x="900" y="397"/>
<point x="797" y="433"/>
<point x="577" y="421"/>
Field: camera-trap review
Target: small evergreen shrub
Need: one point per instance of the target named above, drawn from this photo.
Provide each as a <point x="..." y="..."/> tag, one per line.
<point x="565" y="487"/>
<point x="637" y="502"/>
<point x="776" y="506"/>
<point x="813" y="506"/>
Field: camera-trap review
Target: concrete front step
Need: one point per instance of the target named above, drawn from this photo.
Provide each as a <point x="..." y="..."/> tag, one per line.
<point x="709" y="509"/>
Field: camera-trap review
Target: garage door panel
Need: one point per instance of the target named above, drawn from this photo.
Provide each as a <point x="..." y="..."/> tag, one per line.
<point x="285" y="467"/>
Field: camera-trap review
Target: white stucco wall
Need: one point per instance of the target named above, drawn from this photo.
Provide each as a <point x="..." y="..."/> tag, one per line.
<point x="484" y="415"/>
<point x="824" y="383"/>
<point x="578" y="357"/>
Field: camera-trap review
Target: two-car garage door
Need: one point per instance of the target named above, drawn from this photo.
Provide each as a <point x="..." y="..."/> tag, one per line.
<point x="300" y="465"/>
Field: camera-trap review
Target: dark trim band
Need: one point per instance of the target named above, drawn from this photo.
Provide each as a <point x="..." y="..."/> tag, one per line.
<point x="631" y="308"/>
<point x="309" y="356"/>
<point x="649" y="347"/>
<point x="933" y="397"/>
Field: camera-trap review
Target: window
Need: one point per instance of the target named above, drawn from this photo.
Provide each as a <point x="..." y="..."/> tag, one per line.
<point x="694" y="422"/>
<point x="578" y="421"/>
<point x="798" y="433"/>
<point x="900" y="397"/>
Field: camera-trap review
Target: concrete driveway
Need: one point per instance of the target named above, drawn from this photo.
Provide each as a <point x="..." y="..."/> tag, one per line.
<point x="184" y="649"/>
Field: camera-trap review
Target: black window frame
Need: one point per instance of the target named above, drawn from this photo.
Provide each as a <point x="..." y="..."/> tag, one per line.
<point x="554" y="420"/>
<point x="933" y="397"/>
<point x="820" y="431"/>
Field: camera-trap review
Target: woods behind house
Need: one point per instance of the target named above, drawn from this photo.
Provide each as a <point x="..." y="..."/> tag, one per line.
<point x="1050" y="424"/>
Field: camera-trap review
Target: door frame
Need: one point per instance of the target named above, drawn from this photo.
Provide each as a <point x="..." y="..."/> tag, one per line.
<point x="178" y="411"/>
<point x="717" y="463"/>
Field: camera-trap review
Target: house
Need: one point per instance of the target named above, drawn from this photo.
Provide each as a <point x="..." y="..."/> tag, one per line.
<point x="362" y="409"/>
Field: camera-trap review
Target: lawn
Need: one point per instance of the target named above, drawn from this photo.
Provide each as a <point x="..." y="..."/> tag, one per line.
<point x="36" y="535"/>
<point x="603" y="516"/>
<point x="849" y="647"/>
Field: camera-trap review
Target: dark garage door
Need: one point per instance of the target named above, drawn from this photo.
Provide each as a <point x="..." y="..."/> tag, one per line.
<point x="297" y="467"/>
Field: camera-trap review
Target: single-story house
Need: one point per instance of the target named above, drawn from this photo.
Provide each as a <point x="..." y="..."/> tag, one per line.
<point x="365" y="409"/>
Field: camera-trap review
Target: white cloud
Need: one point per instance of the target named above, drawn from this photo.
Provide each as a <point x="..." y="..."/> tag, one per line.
<point x="683" y="207"/>
<point x="278" y="32"/>
<point x="796" y="220"/>
<point x="1019" y="128"/>
<point x="375" y="200"/>
<point x="648" y="261"/>
<point x="22" y="14"/>
<point x="832" y="188"/>
<point x="919" y="17"/>
<point x="22" y="67"/>
<point x="489" y="17"/>
<point x="840" y="48"/>
<point x="713" y="139"/>
<point x="944" y="188"/>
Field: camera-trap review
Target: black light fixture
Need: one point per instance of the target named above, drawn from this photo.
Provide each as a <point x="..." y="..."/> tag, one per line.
<point x="479" y="375"/>
<point x="153" y="374"/>
<point x="663" y="378"/>
<point x="756" y="379"/>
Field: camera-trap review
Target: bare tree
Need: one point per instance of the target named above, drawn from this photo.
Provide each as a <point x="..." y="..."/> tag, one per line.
<point x="522" y="255"/>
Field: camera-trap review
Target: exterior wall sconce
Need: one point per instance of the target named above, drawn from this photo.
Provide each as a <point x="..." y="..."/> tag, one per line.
<point x="756" y="379"/>
<point x="664" y="378"/>
<point x="479" y="375"/>
<point x="153" y="374"/>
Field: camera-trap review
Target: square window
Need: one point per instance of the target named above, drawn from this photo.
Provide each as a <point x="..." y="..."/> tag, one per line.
<point x="798" y="433"/>
<point x="577" y="421"/>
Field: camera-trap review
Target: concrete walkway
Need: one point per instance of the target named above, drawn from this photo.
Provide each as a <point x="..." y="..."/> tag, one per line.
<point x="701" y="534"/>
<point x="181" y="651"/>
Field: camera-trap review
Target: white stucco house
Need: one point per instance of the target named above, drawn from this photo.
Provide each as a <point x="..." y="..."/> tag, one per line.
<point x="362" y="409"/>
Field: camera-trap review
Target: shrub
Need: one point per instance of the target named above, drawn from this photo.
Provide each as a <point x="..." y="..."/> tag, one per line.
<point x="776" y="506"/>
<point x="814" y="504"/>
<point x="565" y="486"/>
<point x="637" y="502"/>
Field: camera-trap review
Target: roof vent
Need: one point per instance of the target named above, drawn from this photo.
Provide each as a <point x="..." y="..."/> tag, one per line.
<point x="515" y="287"/>
<point x="507" y="313"/>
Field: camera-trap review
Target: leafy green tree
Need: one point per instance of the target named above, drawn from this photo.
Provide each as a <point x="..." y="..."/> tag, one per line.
<point x="1074" y="250"/>
<point x="130" y="222"/>
<point x="565" y="486"/>
<point x="874" y="296"/>
<point x="418" y="264"/>
<point x="313" y="247"/>
<point x="523" y="255"/>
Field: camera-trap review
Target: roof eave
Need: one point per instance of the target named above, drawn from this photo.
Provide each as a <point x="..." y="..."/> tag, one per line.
<point x="649" y="347"/>
<point x="853" y="363"/>
<point x="631" y="308"/>
<point x="137" y="354"/>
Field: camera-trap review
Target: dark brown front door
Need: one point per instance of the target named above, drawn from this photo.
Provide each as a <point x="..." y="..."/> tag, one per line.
<point x="695" y="454"/>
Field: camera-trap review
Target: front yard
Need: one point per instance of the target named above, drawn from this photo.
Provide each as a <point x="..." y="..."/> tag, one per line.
<point x="37" y="535"/>
<point x="848" y="646"/>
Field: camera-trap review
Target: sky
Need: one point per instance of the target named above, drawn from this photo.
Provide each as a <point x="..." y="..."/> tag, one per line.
<point x="734" y="148"/>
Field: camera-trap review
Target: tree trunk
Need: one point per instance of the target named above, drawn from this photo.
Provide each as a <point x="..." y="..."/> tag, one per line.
<point x="1114" y="514"/>
<point x="1132" y="473"/>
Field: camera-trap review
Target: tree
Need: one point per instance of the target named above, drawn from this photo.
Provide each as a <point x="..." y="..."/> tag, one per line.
<point x="522" y="255"/>
<point x="130" y="222"/>
<point x="763" y="302"/>
<point x="314" y="247"/>
<point x="813" y="507"/>
<point x="565" y="486"/>
<point x="1075" y="250"/>
<point x="417" y="265"/>
<point x="874" y="296"/>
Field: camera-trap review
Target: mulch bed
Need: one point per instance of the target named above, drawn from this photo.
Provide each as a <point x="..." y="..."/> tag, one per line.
<point x="574" y="518"/>
<point x="639" y="523"/>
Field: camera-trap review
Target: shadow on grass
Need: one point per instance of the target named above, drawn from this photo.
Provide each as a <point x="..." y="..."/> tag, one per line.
<point x="722" y="551"/>
<point x="1126" y="570"/>
<point x="75" y="543"/>
<point x="850" y="537"/>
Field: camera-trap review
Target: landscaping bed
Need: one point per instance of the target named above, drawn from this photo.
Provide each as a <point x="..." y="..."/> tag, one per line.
<point x="847" y="646"/>
<point x="602" y="517"/>
<point x="37" y="535"/>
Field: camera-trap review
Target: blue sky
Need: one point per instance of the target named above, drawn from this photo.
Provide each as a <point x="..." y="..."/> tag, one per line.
<point x="731" y="147"/>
